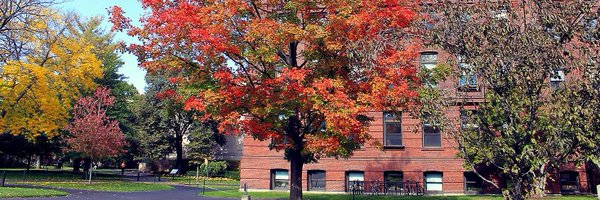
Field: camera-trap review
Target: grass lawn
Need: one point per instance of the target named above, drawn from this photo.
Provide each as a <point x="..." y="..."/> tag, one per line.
<point x="110" y="186"/>
<point x="234" y="193"/>
<point x="16" y="177"/>
<point x="223" y="183"/>
<point x="12" y="192"/>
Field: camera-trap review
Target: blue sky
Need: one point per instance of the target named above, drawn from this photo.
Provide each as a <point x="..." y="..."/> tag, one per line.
<point x="133" y="10"/>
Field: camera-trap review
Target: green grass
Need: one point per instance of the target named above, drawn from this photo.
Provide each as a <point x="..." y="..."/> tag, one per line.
<point x="234" y="193"/>
<point x="13" y="192"/>
<point x="17" y="177"/>
<point x="111" y="186"/>
<point x="210" y="181"/>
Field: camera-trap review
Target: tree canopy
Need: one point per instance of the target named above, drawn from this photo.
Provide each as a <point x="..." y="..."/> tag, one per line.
<point x="45" y="65"/>
<point x="536" y="63"/>
<point x="300" y="74"/>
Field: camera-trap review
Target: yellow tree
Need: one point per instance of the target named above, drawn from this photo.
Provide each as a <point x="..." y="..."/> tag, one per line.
<point x="51" y="66"/>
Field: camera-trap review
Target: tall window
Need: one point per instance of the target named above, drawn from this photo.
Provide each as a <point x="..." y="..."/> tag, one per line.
<point x="429" y="60"/>
<point x="569" y="182"/>
<point x="473" y="183"/>
<point x="432" y="136"/>
<point x="392" y="124"/>
<point x="468" y="78"/>
<point x="316" y="180"/>
<point x="279" y="179"/>
<point x="433" y="182"/>
<point x="556" y="78"/>
<point x="355" y="179"/>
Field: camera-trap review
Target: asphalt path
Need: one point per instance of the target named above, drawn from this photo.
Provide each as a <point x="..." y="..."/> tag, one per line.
<point x="178" y="193"/>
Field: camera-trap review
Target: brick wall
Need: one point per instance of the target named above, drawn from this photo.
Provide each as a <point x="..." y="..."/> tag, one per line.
<point x="413" y="160"/>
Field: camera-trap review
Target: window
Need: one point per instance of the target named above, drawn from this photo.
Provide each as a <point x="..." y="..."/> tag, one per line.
<point x="393" y="181"/>
<point x="433" y="182"/>
<point x="556" y="78"/>
<point x="468" y="82"/>
<point x="279" y="179"/>
<point x="569" y="182"/>
<point x="428" y="61"/>
<point x="393" y="176"/>
<point x="501" y="14"/>
<point x="468" y="78"/>
<point x="392" y="123"/>
<point x="316" y="180"/>
<point x="467" y="119"/>
<point x="431" y="136"/>
<point x="355" y="180"/>
<point x="473" y="183"/>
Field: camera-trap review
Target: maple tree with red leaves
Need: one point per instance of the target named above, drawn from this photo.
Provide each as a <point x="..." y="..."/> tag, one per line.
<point x="300" y="74"/>
<point x="92" y="133"/>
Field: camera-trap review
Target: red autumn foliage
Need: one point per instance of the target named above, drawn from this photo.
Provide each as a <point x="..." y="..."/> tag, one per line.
<point x="297" y="73"/>
<point x="92" y="133"/>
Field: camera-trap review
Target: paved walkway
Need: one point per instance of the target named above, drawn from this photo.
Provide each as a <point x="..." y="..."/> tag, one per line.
<point x="179" y="193"/>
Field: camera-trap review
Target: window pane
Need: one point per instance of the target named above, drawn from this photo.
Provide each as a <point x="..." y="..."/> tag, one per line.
<point x="569" y="182"/>
<point x="463" y="80"/>
<point x="473" y="183"/>
<point x="356" y="176"/>
<point x="434" y="186"/>
<point x="393" y="139"/>
<point x="433" y="177"/>
<point x="473" y="80"/>
<point x="316" y="180"/>
<point x="393" y="128"/>
<point x="390" y="116"/>
<point x="431" y="137"/>
<point x="281" y="174"/>
<point x="429" y="65"/>
<point x="393" y="177"/>
<point x="433" y="181"/>
<point x="429" y="57"/>
<point x="280" y="179"/>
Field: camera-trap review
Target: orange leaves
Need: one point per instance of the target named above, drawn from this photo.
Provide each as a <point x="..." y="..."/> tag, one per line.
<point x="117" y="17"/>
<point x="257" y="64"/>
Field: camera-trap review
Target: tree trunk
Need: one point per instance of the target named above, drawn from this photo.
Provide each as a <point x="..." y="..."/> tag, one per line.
<point x="539" y="184"/>
<point x="76" y="164"/>
<point x="179" y="151"/>
<point x="296" y="165"/>
<point x="197" y="173"/>
<point x="38" y="162"/>
<point x="91" y="170"/>
<point x="28" y="162"/>
<point x="517" y="192"/>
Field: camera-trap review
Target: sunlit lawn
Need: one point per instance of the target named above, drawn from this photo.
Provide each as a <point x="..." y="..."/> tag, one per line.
<point x="12" y="192"/>
<point x="106" y="180"/>
<point x="221" y="183"/>
<point x="19" y="176"/>
<point x="110" y="186"/>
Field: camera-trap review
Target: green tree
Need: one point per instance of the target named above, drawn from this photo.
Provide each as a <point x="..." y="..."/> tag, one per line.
<point x="106" y="50"/>
<point x="165" y="123"/>
<point x="537" y="63"/>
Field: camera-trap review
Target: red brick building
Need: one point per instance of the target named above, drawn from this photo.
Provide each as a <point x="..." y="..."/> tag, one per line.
<point x="412" y="151"/>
